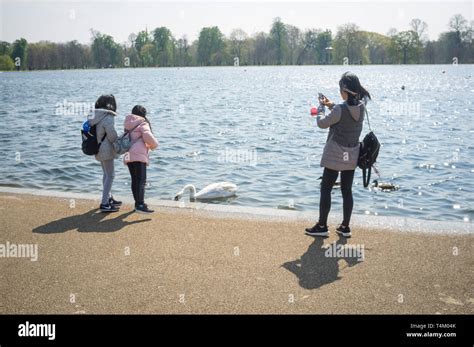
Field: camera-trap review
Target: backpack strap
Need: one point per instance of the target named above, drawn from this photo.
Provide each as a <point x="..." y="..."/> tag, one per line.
<point x="367" y="114"/>
<point x="126" y="132"/>
<point x="105" y="134"/>
<point x="366" y="180"/>
<point x="136" y="126"/>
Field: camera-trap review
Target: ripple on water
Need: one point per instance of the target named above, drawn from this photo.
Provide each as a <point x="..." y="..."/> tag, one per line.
<point x="225" y="109"/>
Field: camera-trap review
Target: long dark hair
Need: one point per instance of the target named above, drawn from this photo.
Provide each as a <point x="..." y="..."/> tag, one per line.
<point x="106" y="102"/>
<point x="139" y="110"/>
<point x="350" y="83"/>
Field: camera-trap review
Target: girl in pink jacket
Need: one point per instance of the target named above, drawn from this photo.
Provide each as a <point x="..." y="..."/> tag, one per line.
<point x="137" y="159"/>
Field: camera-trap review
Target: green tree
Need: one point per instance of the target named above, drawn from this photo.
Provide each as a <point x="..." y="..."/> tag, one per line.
<point x="295" y="39"/>
<point x="147" y="54"/>
<point x="378" y="47"/>
<point x="260" y="49"/>
<point x="323" y="46"/>
<point x="211" y="47"/>
<point x="349" y="44"/>
<point x="141" y="40"/>
<point x="164" y="45"/>
<point x="73" y="55"/>
<point x="279" y="40"/>
<point x="106" y="52"/>
<point x="283" y="44"/>
<point x="429" y="53"/>
<point x="407" y="47"/>
<point x="19" y="53"/>
<point x="6" y="63"/>
<point x="309" y="52"/>
<point x="183" y="56"/>
<point x="5" y="48"/>
<point x="239" y="45"/>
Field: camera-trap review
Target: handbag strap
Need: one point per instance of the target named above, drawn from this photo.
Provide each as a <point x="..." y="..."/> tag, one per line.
<point x="136" y="126"/>
<point x="129" y="133"/>
<point x="367" y="113"/>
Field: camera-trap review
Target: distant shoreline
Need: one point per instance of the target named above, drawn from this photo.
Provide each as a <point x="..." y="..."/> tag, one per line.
<point x="227" y="66"/>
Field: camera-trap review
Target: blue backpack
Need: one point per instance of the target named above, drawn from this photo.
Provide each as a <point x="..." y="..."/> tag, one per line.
<point x="90" y="145"/>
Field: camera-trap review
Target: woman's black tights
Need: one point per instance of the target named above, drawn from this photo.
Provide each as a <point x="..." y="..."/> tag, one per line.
<point x="329" y="178"/>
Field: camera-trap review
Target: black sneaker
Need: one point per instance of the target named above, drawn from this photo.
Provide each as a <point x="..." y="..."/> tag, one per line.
<point x="108" y="208"/>
<point x="318" y="230"/>
<point x="114" y="202"/>
<point x="344" y="231"/>
<point x="143" y="208"/>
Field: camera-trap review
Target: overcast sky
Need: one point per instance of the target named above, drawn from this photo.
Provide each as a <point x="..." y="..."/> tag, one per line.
<point x="67" y="20"/>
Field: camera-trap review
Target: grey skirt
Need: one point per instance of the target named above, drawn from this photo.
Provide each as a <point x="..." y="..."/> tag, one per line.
<point x="339" y="158"/>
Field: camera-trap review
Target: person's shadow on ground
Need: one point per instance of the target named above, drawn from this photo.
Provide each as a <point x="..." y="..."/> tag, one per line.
<point x="314" y="269"/>
<point x="89" y="222"/>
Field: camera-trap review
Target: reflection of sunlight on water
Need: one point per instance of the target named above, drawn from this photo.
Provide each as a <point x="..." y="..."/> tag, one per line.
<point x="425" y="153"/>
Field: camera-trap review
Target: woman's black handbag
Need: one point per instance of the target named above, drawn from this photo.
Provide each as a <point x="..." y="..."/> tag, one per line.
<point x="369" y="151"/>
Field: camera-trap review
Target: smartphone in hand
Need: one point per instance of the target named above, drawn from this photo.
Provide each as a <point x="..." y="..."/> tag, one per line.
<point x="321" y="98"/>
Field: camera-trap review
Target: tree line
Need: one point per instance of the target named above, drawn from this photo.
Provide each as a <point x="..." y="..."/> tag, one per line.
<point x="284" y="44"/>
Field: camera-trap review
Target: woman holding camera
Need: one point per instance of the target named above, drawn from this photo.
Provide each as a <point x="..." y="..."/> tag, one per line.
<point x="341" y="151"/>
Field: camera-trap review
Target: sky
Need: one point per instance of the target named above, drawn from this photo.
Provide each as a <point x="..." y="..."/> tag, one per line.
<point x="66" y="20"/>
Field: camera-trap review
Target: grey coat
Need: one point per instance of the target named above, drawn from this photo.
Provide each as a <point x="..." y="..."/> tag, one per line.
<point x="341" y="151"/>
<point x="104" y="119"/>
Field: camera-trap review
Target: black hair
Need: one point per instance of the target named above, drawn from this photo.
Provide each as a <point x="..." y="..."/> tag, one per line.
<point x="139" y="110"/>
<point x="350" y="83"/>
<point x="106" y="102"/>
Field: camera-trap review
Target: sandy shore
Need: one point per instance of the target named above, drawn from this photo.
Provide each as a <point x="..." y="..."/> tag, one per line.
<point x="180" y="261"/>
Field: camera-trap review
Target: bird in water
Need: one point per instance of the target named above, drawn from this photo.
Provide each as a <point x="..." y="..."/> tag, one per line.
<point x="217" y="190"/>
<point x="384" y="186"/>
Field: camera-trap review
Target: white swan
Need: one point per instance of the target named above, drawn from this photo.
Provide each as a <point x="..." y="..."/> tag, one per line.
<point x="212" y="191"/>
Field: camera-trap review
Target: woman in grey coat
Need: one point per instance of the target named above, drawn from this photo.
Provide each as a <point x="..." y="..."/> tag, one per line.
<point x="341" y="151"/>
<point x="103" y="117"/>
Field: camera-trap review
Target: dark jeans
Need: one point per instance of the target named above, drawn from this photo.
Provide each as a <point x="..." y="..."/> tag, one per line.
<point x="138" y="174"/>
<point x="329" y="178"/>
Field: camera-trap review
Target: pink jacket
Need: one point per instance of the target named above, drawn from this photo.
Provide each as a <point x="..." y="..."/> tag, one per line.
<point x="142" y="140"/>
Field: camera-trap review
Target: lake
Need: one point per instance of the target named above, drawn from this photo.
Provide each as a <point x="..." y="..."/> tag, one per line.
<point x="251" y="126"/>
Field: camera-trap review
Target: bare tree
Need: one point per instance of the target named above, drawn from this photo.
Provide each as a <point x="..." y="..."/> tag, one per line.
<point x="237" y="39"/>
<point x="392" y="32"/>
<point x="348" y="42"/>
<point x="458" y="23"/>
<point x="294" y="42"/>
<point x="131" y="38"/>
<point x="418" y="26"/>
